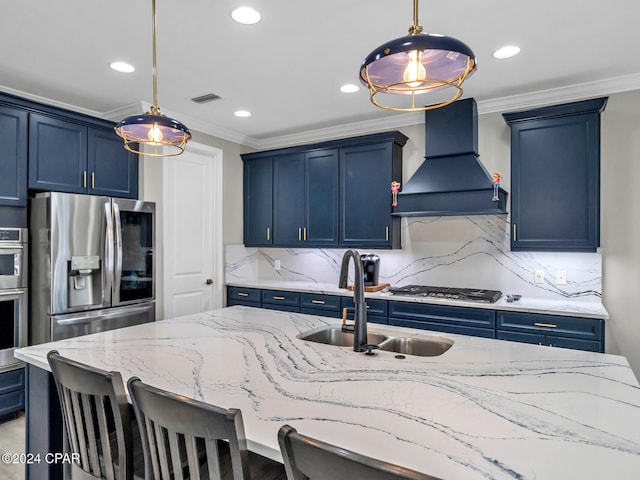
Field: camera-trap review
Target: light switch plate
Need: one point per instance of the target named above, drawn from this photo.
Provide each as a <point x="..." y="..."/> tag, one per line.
<point x="538" y="276"/>
<point x="276" y="264"/>
<point x="561" y="277"/>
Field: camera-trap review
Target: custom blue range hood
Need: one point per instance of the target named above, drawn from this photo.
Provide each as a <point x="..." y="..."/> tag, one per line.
<point x="451" y="180"/>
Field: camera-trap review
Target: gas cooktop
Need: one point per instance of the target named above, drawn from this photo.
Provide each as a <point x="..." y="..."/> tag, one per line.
<point x="470" y="294"/>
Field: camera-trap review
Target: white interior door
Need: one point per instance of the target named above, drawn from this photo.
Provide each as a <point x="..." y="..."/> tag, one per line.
<point x="192" y="186"/>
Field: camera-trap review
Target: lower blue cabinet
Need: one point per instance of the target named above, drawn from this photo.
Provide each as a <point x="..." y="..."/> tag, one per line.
<point x="12" y="392"/>
<point x="553" y="330"/>
<point x="542" y="329"/>
<point x="477" y="322"/>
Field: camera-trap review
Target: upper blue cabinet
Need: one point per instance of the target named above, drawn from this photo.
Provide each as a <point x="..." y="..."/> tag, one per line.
<point x="555" y="177"/>
<point x="333" y="194"/>
<point x="13" y="156"/>
<point x="43" y="148"/>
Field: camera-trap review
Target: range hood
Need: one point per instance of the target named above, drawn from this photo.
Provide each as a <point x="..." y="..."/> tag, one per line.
<point x="451" y="180"/>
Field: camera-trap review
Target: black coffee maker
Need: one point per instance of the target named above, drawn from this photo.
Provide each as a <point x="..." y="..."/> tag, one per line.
<point x="371" y="267"/>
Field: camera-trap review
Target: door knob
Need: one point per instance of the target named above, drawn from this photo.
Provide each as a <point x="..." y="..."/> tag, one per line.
<point x="209" y="281"/>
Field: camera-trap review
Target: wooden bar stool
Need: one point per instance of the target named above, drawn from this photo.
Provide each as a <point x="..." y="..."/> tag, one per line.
<point x="306" y="458"/>
<point x="184" y="438"/>
<point x="99" y="426"/>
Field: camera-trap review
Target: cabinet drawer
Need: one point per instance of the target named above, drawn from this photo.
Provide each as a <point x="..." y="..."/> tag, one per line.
<point x="11" y="402"/>
<point x="473" y="317"/>
<point x="243" y="294"/>
<point x="374" y="307"/>
<point x="279" y="297"/>
<point x="444" y="327"/>
<point x="13" y="380"/>
<point x="321" y="302"/>
<point x="555" y="325"/>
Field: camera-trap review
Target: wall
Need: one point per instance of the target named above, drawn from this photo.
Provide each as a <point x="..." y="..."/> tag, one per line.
<point x="620" y="225"/>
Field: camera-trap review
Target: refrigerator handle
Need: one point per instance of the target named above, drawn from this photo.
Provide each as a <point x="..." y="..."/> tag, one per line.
<point x="88" y="317"/>
<point x="108" y="251"/>
<point x="118" y="272"/>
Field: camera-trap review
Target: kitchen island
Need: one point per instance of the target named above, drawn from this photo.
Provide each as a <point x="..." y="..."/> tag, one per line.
<point x="483" y="409"/>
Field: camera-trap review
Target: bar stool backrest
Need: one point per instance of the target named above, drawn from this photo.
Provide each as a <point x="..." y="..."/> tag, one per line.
<point x="180" y="436"/>
<point x="306" y="458"/>
<point x="96" y="418"/>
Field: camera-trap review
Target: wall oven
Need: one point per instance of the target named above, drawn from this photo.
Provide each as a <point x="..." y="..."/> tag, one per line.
<point x="13" y="295"/>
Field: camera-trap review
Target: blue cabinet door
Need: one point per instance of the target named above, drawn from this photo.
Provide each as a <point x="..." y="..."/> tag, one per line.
<point x="555" y="177"/>
<point x="113" y="171"/>
<point x="13" y="156"/>
<point x="288" y="199"/>
<point x="365" y="182"/>
<point x="321" y="198"/>
<point x="57" y="154"/>
<point x="258" y="202"/>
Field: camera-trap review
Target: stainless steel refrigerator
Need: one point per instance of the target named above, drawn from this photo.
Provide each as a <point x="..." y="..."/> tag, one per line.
<point x="92" y="265"/>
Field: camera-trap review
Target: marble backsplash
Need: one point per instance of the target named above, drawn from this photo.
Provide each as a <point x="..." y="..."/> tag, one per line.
<point x="469" y="252"/>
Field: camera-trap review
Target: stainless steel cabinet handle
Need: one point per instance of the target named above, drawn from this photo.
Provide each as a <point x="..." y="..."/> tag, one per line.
<point x="242" y="294"/>
<point x="305" y="233"/>
<point x="386" y="235"/>
<point x="299" y="233"/>
<point x="278" y="298"/>
<point x="548" y="325"/>
<point x="84" y="179"/>
<point x="514" y="232"/>
<point x="93" y="180"/>
<point x="318" y="302"/>
<point x="268" y="233"/>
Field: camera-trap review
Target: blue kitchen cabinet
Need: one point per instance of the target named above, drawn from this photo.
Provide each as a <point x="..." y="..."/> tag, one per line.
<point x="477" y="322"/>
<point x="72" y="157"/>
<point x="281" y="300"/>
<point x="319" y="304"/>
<point x="366" y="173"/>
<point x="331" y="194"/>
<point x="258" y="201"/>
<point x="57" y="154"/>
<point x="12" y="392"/>
<point x="553" y="330"/>
<point x="114" y="170"/>
<point x="250" y="297"/>
<point x="13" y="156"/>
<point x="555" y="177"/>
<point x="305" y="199"/>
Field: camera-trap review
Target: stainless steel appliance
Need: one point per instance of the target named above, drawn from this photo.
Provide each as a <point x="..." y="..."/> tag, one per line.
<point x="92" y="266"/>
<point x="13" y="295"/>
<point x="470" y="294"/>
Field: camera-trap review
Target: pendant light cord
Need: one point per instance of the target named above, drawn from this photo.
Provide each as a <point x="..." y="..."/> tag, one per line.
<point x="414" y="29"/>
<point x="154" y="109"/>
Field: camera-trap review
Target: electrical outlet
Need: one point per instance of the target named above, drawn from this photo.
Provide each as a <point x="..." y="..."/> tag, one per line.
<point x="538" y="276"/>
<point x="276" y="264"/>
<point x="561" y="277"/>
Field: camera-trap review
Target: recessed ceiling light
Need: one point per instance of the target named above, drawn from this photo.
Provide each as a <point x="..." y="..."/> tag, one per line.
<point x="122" y="67"/>
<point x="349" y="88"/>
<point x="506" y="52"/>
<point x="246" y="15"/>
<point x="242" y="113"/>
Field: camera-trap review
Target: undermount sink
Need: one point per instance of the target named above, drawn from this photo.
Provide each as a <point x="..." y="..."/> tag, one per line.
<point x="335" y="336"/>
<point x="419" y="346"/>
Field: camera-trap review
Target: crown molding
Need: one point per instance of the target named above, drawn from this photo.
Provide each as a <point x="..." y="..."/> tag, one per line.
<point x="498" y="105"/>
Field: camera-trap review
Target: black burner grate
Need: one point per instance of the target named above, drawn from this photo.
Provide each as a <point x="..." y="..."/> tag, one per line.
<point x="470" y="294"/>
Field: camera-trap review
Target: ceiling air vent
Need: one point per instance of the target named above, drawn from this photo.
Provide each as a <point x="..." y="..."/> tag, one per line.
<point x="206" y="98"/>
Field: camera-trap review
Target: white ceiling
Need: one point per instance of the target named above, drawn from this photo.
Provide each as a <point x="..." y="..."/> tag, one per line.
<point x="287" y="69"/>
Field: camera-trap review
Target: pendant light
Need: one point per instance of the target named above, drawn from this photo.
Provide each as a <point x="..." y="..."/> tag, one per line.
<point x="415" y="64"/>
<point x="163" y="136"/>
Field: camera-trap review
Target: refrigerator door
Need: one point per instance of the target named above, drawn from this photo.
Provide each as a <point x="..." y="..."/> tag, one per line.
<point x="78" y="237"/>
<point x="135" y="264"/>
<point x="74" y="325"/>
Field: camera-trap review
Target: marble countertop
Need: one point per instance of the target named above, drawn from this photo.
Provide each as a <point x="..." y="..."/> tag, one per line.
<point x="484" y="409"/>
<point x="572" y="308"/>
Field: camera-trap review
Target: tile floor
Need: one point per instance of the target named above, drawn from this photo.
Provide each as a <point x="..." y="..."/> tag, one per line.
<point x="12" y="441"/>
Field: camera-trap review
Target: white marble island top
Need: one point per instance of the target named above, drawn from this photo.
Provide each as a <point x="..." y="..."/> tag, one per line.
<point x="483" y="409"/>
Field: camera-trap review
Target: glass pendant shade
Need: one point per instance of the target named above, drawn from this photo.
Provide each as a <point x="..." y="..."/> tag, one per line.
<point x="161" y="135"/>
<point x="415" y="64"/>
